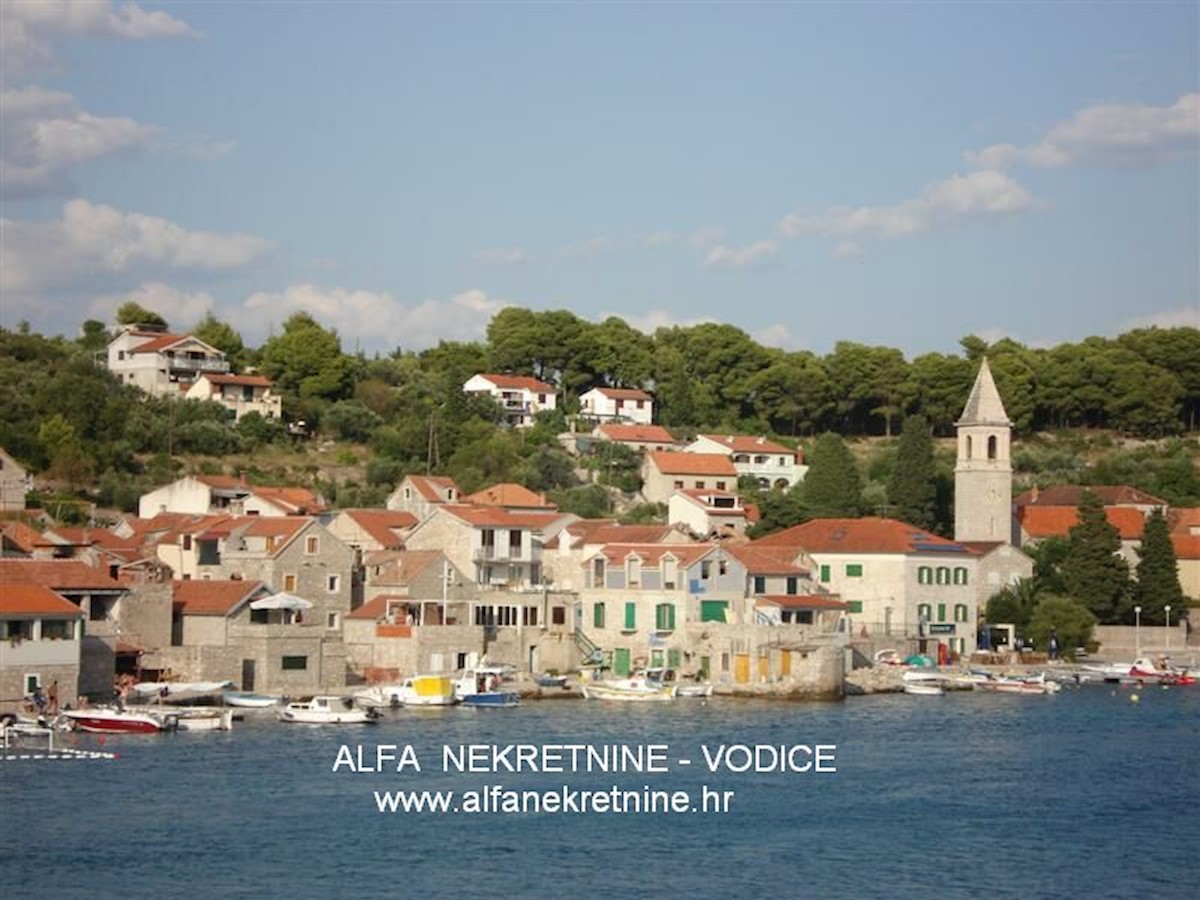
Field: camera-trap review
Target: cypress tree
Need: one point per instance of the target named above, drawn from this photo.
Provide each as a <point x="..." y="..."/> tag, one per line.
<point x="1092" y="572"/>
<point x="1157" y="584"/>
<point x="832" y="488"/>
<point x="913" y="486"/>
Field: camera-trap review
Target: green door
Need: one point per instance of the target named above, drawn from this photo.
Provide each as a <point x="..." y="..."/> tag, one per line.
<point x="673" y="659"/>
<point x="621" y="661"/>
<point x="713" y="610"/>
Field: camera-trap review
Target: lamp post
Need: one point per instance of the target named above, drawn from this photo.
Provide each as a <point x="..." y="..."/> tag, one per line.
<point x="1167" y="610"/>
<point x="1137" y="631"/>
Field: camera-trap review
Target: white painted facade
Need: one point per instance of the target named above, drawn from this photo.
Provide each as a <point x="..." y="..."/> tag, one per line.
<point x="521" y="397"/>
<point x="617" y="405"/>
<point x="771" y="464"/>
<point x="159" y="363"/>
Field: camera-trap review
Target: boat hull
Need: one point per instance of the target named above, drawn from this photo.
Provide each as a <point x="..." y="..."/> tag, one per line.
<point x="98" y="722"/>
<point x="924" y="689"/>
<point x="694" y="691"/>
<point x="493" y="699"/>
<point x="627" y="694"/>
<point x="249" y="701"/>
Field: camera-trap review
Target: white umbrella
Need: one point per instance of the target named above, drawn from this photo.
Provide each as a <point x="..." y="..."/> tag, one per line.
<point x="282" y="600"/>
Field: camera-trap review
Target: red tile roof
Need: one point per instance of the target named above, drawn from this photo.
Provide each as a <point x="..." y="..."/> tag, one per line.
<point x="520" y="382"/>
<point x="58" y="574"/>
<point x="1056" y="521"/>
<point x="760" y="560"/>
<point x="674" y="463"/>
<point x="377" y="607"/>
<point x="1183" y="519"/>
<point x="499" y="517"/>
<point x="741" y="443"/>
<point x="802" y="601"/>
<point x="1187" y="546"/>
<point x="382" y="525"/>
<point x="21" y="536"/>
<point x="624" y="393"/>
<point x="637" y="434"/>
<point x="511" y="495"/>
<point x="428" y="487"/>
<point x="296" y="500"/>
<point x="35" y="600"/>
<point x="159" y="341"/>
<point x="867" y="535"/>
<point x="212" y="598"/>
<point x="652" y="554"/>
<point x="405" y="566"/>
<point x="705" y="498"/>
<point x="1072" y="495"/>
<point x="224" y="482"/>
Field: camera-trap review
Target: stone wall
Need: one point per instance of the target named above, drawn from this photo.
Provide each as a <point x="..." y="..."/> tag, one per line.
<point x="1121" y="643"/>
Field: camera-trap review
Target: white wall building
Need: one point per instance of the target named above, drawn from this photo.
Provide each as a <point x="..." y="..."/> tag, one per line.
<point x="521" y="396"/>
<point x="617" y="405"/>
<point x="159" y="362"/>
<point x="772" y="464"/>
<point x="240" y="393"/>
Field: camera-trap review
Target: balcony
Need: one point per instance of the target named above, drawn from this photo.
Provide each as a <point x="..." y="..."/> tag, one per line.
<point x="197" y="365"/>
<point x="506" y="554"/>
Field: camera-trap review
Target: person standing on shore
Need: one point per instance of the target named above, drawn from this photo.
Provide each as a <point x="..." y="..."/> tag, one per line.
<point x="1053" y="644"/>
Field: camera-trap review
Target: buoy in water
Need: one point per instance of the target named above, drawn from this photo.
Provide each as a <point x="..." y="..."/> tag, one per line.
<point x="1134" y="698"/>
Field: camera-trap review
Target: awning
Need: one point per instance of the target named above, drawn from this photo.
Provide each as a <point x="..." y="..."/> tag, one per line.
<point x="282" y="600"/>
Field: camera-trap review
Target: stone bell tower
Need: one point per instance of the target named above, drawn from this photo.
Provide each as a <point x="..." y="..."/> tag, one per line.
<point x="983" y="473"/>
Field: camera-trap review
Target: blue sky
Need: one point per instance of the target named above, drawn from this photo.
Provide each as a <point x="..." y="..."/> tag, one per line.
<point x="892" y="174"/>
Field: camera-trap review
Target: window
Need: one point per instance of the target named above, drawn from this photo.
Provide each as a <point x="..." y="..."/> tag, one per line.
<point x="558" y="615"/>
<point x="991" y="447"/>
<point x="542" y="399"/>
<point x="57" y="630"/>
<point x="631" y="617"/>
<point x="705" y="570"/>
<point x="960" y="612"/>
<point x="722" y="567"/>
<point x="598" y="572"/>
<point x="289" y="583"/>
<point x="312" y="544"/>
<point x="960" y="575"/>
<point x="529" y="615"/>
<point x="924" y="610"/>
<point x="294" y="663"/>
<point x="760" y="584"/>
<point x="19" y="630"/>
<point x="924" y="575"/>
<point x="792" y="584"/>
<point x="98" y="610"/>
<point x="824" y="573"/>
<point x="679" y="485"/>
<point x="187" y="542"/>
<point x="720" y="485"/>
<point x="514" y="541"/>
<point x="854" y="570"/>
<point x="855" y="606"/>
<point x="331" y="620"/>
<point x="259" y="616"/>
<point x="641" y="404"/>
<point x="332" y="582"/>
<point x="634" y="572"/>
<point x="699" y="485"/>
<point x="941" y="612"/>
<point x="598" y="615"/>
<point x="943" y="574"/>
<point x="664" y="617"/>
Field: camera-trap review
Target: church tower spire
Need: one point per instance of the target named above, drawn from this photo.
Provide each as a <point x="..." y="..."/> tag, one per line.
<point x="983" y="472"/>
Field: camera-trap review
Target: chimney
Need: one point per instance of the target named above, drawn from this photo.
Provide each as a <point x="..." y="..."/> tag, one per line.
<point x="761" y="440"/>
<point x="1033" y="494"/>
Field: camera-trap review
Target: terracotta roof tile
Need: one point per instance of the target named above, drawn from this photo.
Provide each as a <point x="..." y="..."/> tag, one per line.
<point x="247" y="380"/>
<point x="405" y="566"/>
<point x="58" y="574"/>
<point x="377" y="607"/>
<point x="1187" y="546"/>
<point x="519" y="382"/>
<point x="35" y="599"/>
<point x="802" y="601"/>
<point x="652" y="554"/>
<point x="511" y="495"/>
<point x="499" y="517"/>
<point x="866" y="535"/>
<point x="1072" y="495"/>
<point x="212" y="598"/>
<point x="295" y="500"/>
<point x="674" y="463"/>
<point x="433" y="487"/>
<point x="623" y="393"/>
<point x="760" y="560"/>
<point x="382" y="525"/>
<point x="636" y="434"/>
<point x="1057" y="521"/>
<point x="742" y="443"/>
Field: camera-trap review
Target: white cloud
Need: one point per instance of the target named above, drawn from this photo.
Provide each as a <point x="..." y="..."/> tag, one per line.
<point x="502" y="256"/>
<point x="93" y="240"/>
<point x="654" y="319"/>
<point x="43" y="133"/>
<point x="756" y="254"/>
<point x="1111" y="133"/>
<point x="957" y="198"/>
<point x="847" y="250"/>
<point x="180" y="308"/>
<point x="1184" y="317"/>
<point x="777" y="335"/>
<point x="375" y="316"/>
<point x="27" y="29"/>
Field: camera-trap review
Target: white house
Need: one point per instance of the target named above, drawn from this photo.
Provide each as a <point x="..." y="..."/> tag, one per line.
<point x="521" y="396"/>
<point x="240" y="393"/>
<point x="617" y="405"/>
<point x="707" y="513"/>
<point x="204" y="494"/>
<point x="772" y="464"/>
<point x="159" y="362"/>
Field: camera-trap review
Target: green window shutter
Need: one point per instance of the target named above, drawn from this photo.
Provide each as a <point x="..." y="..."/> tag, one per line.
<point x="960" y="575"/>
<point x="760" y="584"/>
<point x="656" y="658"/>
<point x="713" y="610"/>
<point x="855" y="606"/>
<point x="923" y="611"/>
<point x="673" y="659"/>
<point x="824" y="573"/>
<point x="664" y="617"/>
<point x="941" y="612"/>
<point x="598" y="615"/>
<point x="854" y="570"/>
<point x="924" y="575"/>
<point x="960" y="612"/>
<point x="630" y="616"/>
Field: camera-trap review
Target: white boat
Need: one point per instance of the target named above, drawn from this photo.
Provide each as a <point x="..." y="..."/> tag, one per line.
<point x="694" y="689"/>
<point x="1019" y="684"/>
<point x="481" y="687"/>
<point x="249" y="700"/>
<point x="327" y="711"/>
<point x="924" y="689"/>
<point x="177" y="691"/>
<point x="202" y="719"/>
<point x="419" y="690"/>
<point x="106" y="720"/>
<point x="638" y="687"/>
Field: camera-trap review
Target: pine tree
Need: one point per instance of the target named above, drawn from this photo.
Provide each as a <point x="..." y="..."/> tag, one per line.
<point x="1092" y="572"/>
<point x="1157" y="584"/>
<point x="832" y="487"/>
<point x="913" y="486"/>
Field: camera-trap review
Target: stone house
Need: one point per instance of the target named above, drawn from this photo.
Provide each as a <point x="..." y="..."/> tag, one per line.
<point x="371" y="530"/>
<point x="40" y="640"/>
<point x="708" y="514"/>
<point x="639" y="438"/>
<point x="419" y="494"/>
<point x="664" y="473"/>
<point x="563" y="555"/>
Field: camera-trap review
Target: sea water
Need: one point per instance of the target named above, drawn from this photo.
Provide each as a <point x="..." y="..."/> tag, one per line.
<point x="1086" y="793"/>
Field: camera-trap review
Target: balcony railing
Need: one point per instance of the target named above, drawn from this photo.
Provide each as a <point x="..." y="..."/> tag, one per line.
<point x="198" y="365"/>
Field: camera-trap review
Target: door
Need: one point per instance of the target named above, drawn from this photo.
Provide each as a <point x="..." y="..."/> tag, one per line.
<point x="247" y="674"/>
<point x="621" y="661"/>
<point x="785" y="663"/>
<point x="741" y="667"/>
<point x="533" y="660"/>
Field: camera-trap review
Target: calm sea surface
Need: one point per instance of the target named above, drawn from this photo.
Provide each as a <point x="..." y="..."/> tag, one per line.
<point x="1083" y="793"/>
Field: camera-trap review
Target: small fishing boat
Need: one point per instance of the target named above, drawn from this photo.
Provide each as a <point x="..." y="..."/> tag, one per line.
<point x="924" y="688"/>
<point x="547" y="680"/>
<point x="419" y="690"/>
<point x="177" y="691"/>
<point x="639" y="687"/>
<point x="481" y="687"/>
<point x="249" y="700"/>
<point x="1019" y="684"/>
<point x="694" y="689"/>
<point x="327" y="711"/>
<point x="203" y="719"/>
<point x="105" y="720"/>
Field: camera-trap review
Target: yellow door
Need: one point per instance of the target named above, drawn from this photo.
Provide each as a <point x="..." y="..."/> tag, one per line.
<point x="741" y="667"/>
<point x="785" y="663"/>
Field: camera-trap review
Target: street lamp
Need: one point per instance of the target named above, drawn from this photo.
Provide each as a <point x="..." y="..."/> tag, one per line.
<point x="1137" y="630"/>
<point x="1167" y="610"/>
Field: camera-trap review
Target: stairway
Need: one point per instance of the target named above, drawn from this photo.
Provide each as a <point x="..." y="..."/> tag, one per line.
<point x="590" y="653"/>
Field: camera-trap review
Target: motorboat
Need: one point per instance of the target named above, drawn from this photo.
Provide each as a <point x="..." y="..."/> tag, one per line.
<point x="1019" y="684"/>
<point x="107" y="720"/>
<point x="419" y="690"/>
<point x="481" y="687"/>
<point x="324" y="710"/>
<point x="249" y="700"/>
<point x="547" y="680"/>
<point x="638" y="687"/>
<point x="924" y="688"/>
<point x="694" y="689"/>
<point x="1143" y="669"/>
<point x="203" y="719"/>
